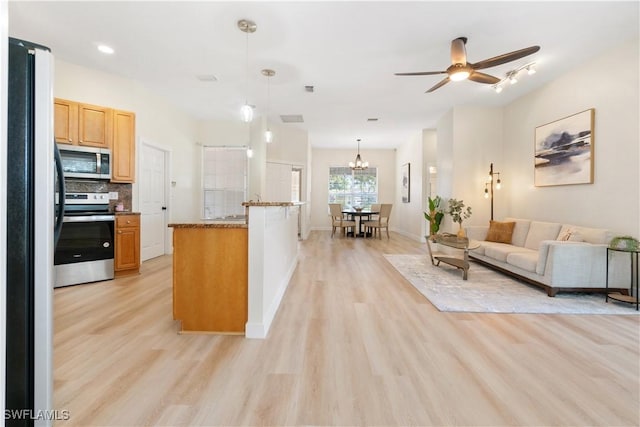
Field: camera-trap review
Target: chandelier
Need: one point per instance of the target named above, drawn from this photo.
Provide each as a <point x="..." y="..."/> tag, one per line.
<point x="358" y="164"/>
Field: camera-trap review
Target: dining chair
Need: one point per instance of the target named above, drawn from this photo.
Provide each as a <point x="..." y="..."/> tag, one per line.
<point x="338" y="220"/>
<point x="377" y="225"/>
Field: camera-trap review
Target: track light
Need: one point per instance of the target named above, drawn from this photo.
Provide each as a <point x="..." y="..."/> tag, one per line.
<point x="512" y="76"/>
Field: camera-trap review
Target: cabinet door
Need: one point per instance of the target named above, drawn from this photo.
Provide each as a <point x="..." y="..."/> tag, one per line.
<point x="124" y="147"/>
<point x="65" y="126"/>
<point x="94" y="126"/>
<point x="127" y="249"/>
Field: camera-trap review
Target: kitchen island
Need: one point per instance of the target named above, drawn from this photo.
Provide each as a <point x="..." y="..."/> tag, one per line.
<point x="210" y="270"/>
<point x="230" y="276"/>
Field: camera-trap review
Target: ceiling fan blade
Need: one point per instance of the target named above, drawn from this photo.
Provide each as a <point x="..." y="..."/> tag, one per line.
<point x="458" y="52"/>
<point x="421" y="73"/>
<point x="503" y="59"/>
<point x="479" y="77"/>
<point x="440" y="84"/>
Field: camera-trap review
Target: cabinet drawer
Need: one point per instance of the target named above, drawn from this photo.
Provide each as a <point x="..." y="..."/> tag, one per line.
<point x="123" y="221"/>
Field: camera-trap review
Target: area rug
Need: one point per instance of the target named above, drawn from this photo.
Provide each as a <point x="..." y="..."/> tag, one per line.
<point x="488" y="291"/>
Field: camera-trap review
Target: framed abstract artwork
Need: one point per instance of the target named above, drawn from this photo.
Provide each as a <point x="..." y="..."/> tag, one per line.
<point x="406" y="182"/>
<point x="564" y="151"/>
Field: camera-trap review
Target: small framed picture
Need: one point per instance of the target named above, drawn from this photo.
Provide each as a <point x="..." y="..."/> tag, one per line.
<point x="406" y="182"/>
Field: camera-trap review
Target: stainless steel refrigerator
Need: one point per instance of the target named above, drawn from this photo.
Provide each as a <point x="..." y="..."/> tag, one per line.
<point x="31" y="224"/>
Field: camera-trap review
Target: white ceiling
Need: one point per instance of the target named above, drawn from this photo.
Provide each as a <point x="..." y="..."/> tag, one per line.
<point x="348" y="51"/>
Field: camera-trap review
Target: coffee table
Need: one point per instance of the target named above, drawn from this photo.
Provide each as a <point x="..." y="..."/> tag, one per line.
<point x="452" y="241"/>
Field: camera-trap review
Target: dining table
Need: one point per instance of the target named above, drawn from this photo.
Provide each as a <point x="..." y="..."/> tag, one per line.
<point x="361" y="215"/>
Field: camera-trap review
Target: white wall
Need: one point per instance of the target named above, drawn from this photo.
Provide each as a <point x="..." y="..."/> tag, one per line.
<point x="409" y="217"/>
<point x="156" y="121"/>
<point x="469" y="140"/>
<point x="323" y="159"/>
<point x="608" y="83"/>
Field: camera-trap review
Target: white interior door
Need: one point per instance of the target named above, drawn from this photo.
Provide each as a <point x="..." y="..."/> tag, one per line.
<point x="153" y="185"/>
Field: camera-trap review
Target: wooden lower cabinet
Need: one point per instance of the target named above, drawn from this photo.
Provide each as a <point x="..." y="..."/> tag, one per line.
<point x="127" y="249"/>
<point x="210" y="279"/>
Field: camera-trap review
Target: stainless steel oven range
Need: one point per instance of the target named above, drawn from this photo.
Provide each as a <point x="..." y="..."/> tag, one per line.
<point x="85" y="250"/>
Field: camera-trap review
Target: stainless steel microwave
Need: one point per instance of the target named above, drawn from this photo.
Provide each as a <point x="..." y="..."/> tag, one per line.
<point x="85" y="162"/>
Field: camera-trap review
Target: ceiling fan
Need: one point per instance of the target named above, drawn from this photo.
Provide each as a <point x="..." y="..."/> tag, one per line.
<point x="460" y="69"/>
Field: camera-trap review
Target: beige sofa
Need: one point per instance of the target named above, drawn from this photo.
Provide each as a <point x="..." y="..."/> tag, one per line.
<point x="557" y="257"/>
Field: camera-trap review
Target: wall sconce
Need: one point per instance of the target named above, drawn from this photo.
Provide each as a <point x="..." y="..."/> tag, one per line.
<point x="488" y="186"/>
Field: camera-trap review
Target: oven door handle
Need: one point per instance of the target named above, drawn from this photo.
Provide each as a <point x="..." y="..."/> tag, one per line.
<point x="89" y="218"/>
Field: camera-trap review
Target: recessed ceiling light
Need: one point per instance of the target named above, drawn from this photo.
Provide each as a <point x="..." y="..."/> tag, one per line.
<point x="207" y="78"/>
<point x="105" y="49"/>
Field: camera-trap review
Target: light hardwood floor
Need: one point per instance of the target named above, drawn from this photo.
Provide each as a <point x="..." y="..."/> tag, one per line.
<point x="352" y="344"/>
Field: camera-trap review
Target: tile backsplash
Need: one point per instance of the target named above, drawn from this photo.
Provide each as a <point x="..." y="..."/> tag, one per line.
<point x="91" y="186"/>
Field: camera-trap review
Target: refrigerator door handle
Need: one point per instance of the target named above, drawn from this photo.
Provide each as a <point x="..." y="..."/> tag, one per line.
<point x="61" y="196"/>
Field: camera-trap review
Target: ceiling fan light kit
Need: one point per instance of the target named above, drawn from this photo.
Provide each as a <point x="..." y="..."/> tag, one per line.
<point x="460" y="69"/>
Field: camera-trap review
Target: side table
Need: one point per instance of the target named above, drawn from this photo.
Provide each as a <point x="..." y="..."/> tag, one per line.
<point x="632" y="298"/>
<point x="455" y="242"/>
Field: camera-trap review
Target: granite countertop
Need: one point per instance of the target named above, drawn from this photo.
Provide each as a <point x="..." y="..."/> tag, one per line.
<point x="250" y="203"/>
<point x="210" y="224"/>
<point x="126" y="213"/>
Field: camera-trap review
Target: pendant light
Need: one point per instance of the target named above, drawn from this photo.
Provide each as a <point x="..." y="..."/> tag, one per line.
<point x="358" y="164"/>
<point x="268" y="135"/>
<point x="247" y="27"/>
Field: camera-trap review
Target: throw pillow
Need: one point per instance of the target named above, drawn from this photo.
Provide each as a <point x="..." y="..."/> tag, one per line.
<point x="500" y="232"/>
<point x="571" y="235"/>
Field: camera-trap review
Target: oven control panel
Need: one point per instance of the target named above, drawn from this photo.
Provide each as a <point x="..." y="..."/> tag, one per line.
<point x="85" y="198"/>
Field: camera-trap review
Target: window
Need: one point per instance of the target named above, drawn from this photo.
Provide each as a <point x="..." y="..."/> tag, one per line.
<point x="224" y="182"/>
<point x="353" y="187"/>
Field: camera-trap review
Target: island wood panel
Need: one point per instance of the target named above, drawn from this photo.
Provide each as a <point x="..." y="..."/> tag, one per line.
<point x="210" y="279"/>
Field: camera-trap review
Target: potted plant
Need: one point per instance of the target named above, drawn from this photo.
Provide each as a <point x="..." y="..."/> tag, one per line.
<point x="435" y="215"/>
<point x="459" y="213"/>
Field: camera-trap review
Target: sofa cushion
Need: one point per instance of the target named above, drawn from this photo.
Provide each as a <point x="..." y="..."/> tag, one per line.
<point x="520" y="231"/>
<point x="539" y="231"/>
<point x="589" y="235"/>
<point x="500" y="232"/>
<point x="525" y="260"/>
<point x="500" y="251"/>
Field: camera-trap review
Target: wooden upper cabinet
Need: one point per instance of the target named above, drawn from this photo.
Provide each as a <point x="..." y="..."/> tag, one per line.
<point x="123" y="147"/>
<point x="94" y="126"/>
<point x="65" y="114"/>
<point x="82" y="124"/>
